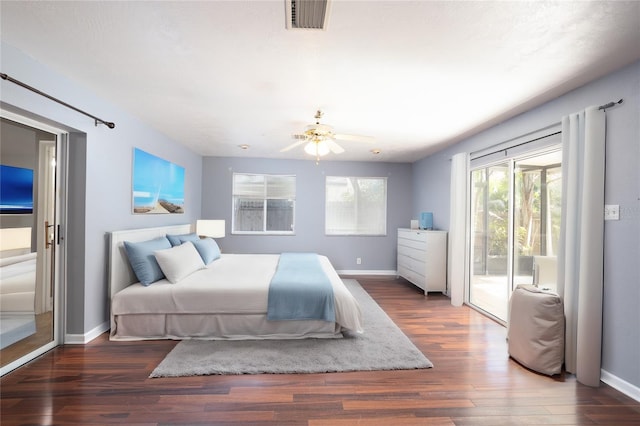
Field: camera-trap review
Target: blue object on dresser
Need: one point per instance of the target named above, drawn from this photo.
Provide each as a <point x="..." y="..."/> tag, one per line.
<point x="426" y="220"/>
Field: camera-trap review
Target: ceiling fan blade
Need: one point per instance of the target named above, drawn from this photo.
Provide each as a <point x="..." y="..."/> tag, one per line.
<point x="293" y="145"/>
<point x="334" y="147"/>
<point x="299" y="136"/>
<point x="359" y="138"/>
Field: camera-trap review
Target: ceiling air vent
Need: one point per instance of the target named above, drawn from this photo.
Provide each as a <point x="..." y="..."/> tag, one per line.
<point x="307" y="14"/>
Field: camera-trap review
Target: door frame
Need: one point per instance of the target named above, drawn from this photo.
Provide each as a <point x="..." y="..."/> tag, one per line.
<point x="46" y="213"/>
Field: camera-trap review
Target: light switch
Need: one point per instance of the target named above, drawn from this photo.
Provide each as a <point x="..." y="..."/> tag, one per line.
<point x="612" y="212"/>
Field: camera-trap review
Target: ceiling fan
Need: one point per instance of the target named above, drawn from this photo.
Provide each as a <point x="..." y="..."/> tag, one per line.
<point x="320" y="139"/>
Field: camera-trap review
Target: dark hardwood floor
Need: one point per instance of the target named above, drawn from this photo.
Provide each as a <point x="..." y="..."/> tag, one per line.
<point x="473" y="383"/>
<point x="42" y="336"/>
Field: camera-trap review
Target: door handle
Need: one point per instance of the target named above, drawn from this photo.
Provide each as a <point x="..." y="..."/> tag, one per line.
<point x="48" y="241"/>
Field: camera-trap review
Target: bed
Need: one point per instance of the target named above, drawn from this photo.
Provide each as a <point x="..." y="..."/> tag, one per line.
<point x="18" y="283"/>
<point x="17" y="298"/>
<point x="226" y="299"/>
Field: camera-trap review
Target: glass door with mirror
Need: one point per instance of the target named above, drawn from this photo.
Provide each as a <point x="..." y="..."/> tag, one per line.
<point x="28" y="205"/>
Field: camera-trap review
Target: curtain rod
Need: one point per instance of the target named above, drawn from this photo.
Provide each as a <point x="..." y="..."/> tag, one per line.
<point x="610" y="104"/>
<point x="495" y="149"/>
<point x="505" y="149"/>
<point x="535" y="135"/>
<point x="109" y="124"/>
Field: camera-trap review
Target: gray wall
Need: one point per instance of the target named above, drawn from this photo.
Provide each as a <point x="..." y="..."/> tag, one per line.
<point x="75" y="235"/>
<point x="377" y="253"/>
<point x="103" y="193"/>
<point x="621" y="317"/>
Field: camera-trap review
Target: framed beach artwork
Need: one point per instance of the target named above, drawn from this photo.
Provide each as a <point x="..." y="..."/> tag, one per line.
<point x="158" y="185"/>
<point x="16" y="190"/>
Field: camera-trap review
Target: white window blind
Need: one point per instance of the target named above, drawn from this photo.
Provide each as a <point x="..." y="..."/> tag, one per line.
<point x="263" y="203"/>
<point x="356" y="206"/>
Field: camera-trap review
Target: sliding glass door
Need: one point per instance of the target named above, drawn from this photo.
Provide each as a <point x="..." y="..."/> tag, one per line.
<point x="490" y="285"/>
<point x="30" y="210"/>
<point x="515" y="219"/>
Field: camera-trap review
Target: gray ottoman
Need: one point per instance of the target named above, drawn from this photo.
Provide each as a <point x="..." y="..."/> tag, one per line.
<point x="535" y="330"/>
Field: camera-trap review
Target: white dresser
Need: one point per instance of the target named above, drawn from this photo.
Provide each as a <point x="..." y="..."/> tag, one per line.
<point x="422" y="258"/>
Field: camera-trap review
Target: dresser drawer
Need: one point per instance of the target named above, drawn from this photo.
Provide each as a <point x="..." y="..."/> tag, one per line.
<point x="412" y="277"/>
<point x="415" y="253"/>
<point x="416" y="265"/>
<point x="405" y="242"/>
<point x="413" y="235"/>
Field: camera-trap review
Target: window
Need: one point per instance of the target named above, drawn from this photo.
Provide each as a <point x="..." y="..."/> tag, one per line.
<point x="263" y="204"/>
<point x="356" y="206"/>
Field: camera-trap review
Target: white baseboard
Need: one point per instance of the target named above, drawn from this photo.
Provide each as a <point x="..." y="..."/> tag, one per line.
<point x="366" y="272"/>
<point x="618" y="384"/>
<point x="81" y="339"/>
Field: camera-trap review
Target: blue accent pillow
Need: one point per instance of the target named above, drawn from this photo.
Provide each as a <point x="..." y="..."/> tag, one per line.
<point x="176" y="240"/>
<point x="143" y="261"/>
<point x="208" y="249"/>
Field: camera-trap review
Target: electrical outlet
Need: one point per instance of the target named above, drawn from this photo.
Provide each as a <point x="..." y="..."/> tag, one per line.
<point x="358" y="260"/>
<point x="612" y="212"/>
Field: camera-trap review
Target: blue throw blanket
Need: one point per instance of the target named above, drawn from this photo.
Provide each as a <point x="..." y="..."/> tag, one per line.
<point x="300" y="290"/>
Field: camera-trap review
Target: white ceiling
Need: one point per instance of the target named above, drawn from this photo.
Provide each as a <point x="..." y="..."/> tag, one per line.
<point x="416" y="75"/>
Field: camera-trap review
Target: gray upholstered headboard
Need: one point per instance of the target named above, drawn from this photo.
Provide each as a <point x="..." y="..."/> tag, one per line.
<point x="120" y="273"/>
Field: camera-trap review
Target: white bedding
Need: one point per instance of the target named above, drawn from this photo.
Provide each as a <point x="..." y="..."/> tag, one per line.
<point x="228" y="298"/>
<point x="18" y="283"/>
<point x="17" y="298"/>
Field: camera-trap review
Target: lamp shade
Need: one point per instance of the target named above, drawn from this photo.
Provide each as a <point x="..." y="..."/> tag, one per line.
<point x="210" y="228"/>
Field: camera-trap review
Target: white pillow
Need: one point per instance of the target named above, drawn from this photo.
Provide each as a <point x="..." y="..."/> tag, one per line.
<point x="179" y="262"/>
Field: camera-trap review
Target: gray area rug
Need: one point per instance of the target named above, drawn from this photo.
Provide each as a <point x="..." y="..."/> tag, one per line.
<point x="382" y="346"/>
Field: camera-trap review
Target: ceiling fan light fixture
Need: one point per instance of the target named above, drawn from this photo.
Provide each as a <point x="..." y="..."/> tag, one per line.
<point x="317" y="148"/>
<point x="319" y="139"/>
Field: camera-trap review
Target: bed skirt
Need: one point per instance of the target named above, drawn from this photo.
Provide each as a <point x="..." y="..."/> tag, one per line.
<point x="217" y="327"/>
